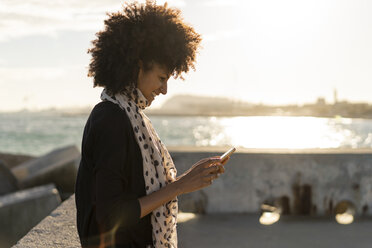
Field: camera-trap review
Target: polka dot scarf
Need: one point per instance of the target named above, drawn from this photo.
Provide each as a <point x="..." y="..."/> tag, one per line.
<point x="158" y="167"/>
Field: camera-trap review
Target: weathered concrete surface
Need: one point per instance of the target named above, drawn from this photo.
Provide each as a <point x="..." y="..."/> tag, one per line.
<point x="56" y="230"/>
<point x="314" y="181"/>
<point x="245" y="231"/>
<point x="8" y="183"/>
<point x="220" y="231"/>
<point x="58" y="167"/>
<point x="22" y="210"/>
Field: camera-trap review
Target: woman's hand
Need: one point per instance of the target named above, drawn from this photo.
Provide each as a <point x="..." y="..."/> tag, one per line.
<point x="198" y="176"/>
<point x="201" y="174"/>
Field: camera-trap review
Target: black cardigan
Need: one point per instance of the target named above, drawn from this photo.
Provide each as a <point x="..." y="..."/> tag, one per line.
<point x="110" y="181"/>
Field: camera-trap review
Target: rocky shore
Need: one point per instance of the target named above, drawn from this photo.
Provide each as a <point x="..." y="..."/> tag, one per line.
<point x="12" y="160"/>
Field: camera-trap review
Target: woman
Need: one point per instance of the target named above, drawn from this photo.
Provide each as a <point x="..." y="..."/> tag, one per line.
<point x="126" y="189"/>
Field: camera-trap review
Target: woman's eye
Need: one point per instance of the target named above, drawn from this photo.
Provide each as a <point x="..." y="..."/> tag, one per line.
<point x="162" y="79"/>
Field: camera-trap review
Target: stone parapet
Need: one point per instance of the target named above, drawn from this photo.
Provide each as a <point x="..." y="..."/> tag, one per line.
<point x="307" y="182"/>
<point x="56" y="230"/>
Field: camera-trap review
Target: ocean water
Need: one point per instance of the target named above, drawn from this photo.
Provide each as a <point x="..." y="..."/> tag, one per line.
<point x="36" y="133"/>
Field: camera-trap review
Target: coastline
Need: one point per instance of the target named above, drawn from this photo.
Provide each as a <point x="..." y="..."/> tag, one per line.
<point x="226" y="114"/>
<point x="192" y="112"/>
<point x="14" y="159"/>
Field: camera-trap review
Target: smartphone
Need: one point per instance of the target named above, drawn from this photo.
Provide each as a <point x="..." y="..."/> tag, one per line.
<point x="227" y="154"/>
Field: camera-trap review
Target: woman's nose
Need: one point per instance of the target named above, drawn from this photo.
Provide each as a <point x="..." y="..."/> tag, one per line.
<point x="164" y="88"/>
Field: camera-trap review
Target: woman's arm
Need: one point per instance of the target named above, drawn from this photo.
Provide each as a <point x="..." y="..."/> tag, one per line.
<point x="199" y="176"/>
<point x="155" y="199"/>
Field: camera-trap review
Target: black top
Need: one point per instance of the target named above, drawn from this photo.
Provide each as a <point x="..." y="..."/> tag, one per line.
<point x="110" y="181"/>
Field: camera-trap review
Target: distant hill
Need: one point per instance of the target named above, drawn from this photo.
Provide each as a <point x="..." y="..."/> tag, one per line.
<point x="200" y="105"/>
<point x="220" y="106"/>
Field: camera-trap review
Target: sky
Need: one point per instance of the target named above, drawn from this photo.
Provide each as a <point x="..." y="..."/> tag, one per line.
<point x="262" y="51"/>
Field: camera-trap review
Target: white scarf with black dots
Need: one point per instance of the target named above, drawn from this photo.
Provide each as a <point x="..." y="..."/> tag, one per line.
<point x="158" y="166"/>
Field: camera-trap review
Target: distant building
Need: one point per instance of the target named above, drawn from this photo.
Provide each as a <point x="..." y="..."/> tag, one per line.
<point x="335" y="99"/>
<point x="320" y="101"/>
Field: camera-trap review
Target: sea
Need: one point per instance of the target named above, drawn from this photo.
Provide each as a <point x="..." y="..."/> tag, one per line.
<point x="37" y="133"/>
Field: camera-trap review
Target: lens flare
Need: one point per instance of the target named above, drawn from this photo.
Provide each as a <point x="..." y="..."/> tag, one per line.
<point x="183" y="217"/>
<point x="269" y="218"/>
<point x="344" y="218"/>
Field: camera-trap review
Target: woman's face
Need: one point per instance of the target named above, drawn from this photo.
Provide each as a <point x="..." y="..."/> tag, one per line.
<point x="153" y="82"/>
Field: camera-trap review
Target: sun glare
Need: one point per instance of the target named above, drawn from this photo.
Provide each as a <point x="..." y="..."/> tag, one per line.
<point x="284" y="132"/>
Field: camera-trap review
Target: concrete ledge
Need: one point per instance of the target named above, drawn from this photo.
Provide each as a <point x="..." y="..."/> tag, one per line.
<point x="218" y="230"/>
<point x="314" y="180"/>
<point x="245" y="231"/>
<point x="22" y="210"/>
<point x="56" y="230"/>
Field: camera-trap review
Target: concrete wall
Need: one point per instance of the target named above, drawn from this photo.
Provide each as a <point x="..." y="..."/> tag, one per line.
<point x="312" y="181"/>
